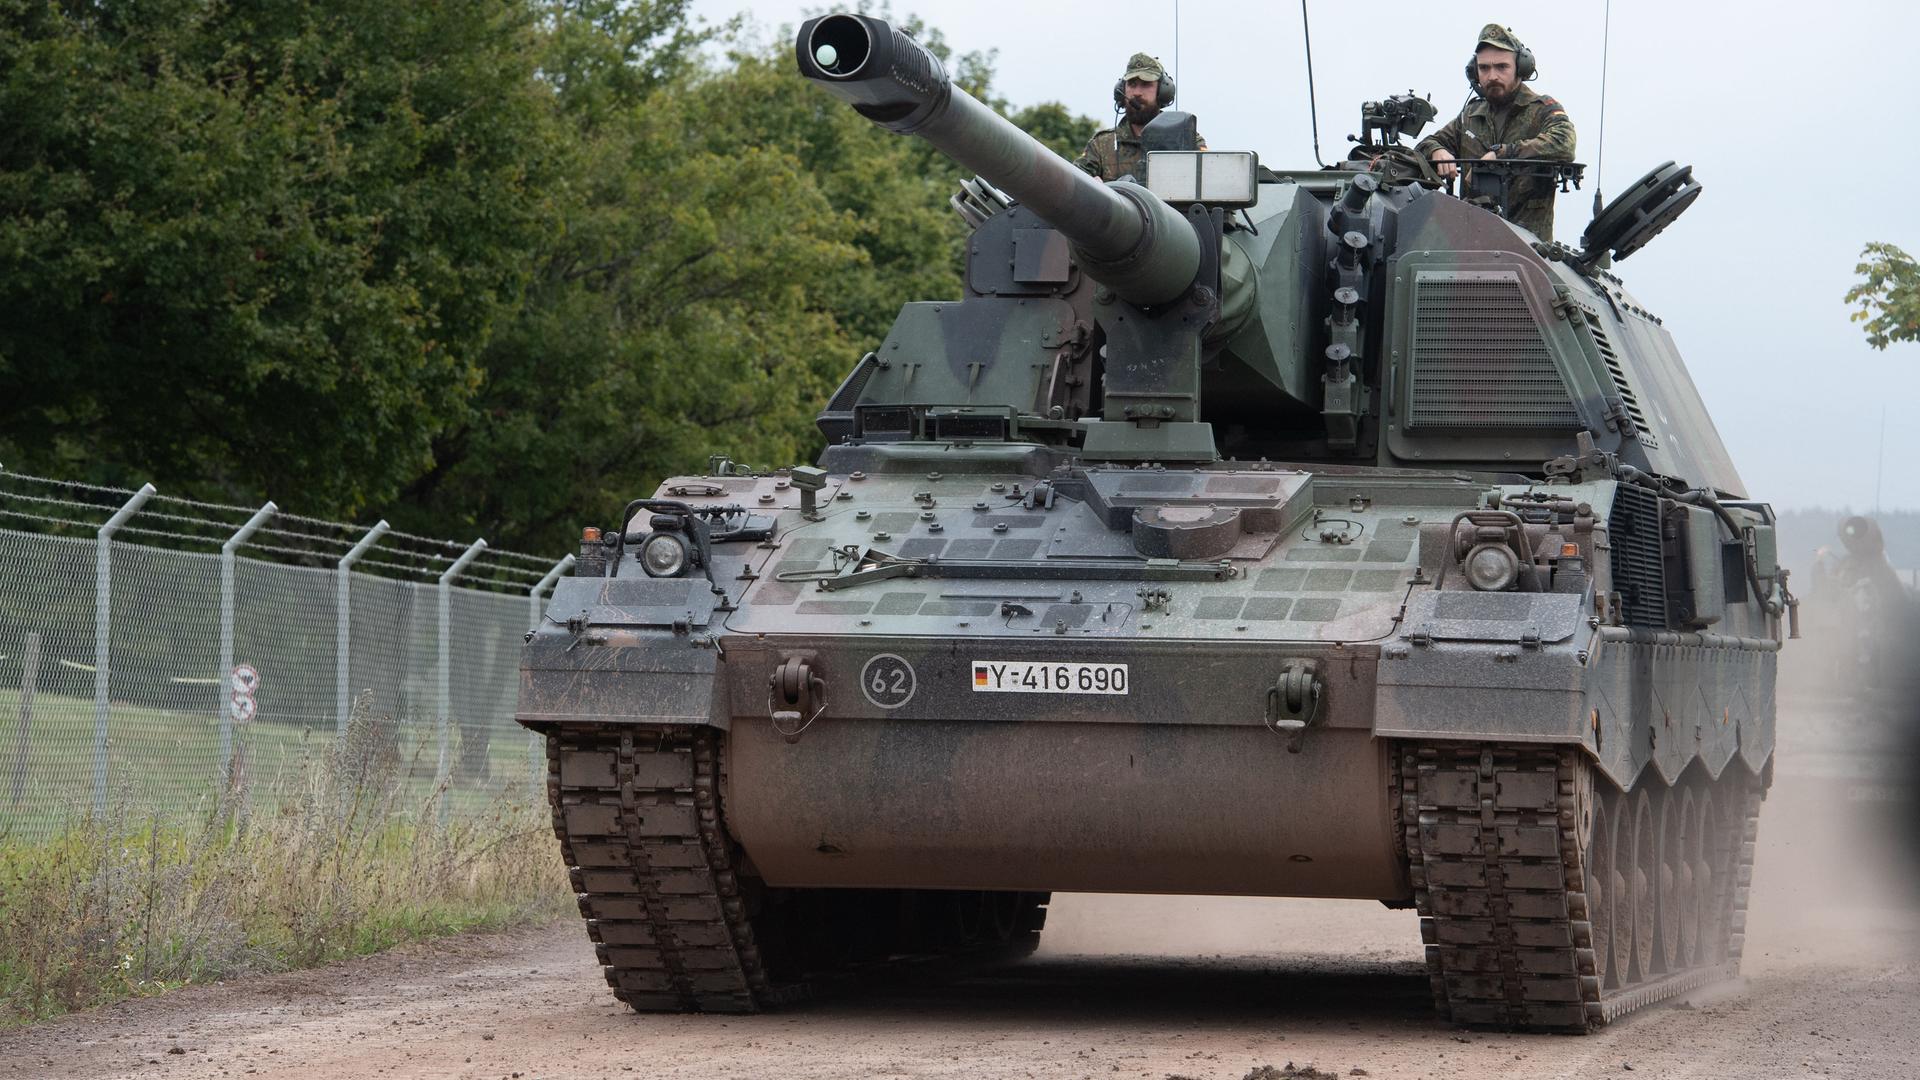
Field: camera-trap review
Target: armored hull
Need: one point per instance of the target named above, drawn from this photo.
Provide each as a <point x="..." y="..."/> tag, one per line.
<point x="1501" y="760"/>
<point x="1039" y="620"/>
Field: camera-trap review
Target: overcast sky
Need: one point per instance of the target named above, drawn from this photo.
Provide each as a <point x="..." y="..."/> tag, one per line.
<point x="1800" y="121"/>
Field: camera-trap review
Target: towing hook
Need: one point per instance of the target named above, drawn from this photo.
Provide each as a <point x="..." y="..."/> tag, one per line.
<point x="795" y="697"/>
<point x="1295" y="701"/>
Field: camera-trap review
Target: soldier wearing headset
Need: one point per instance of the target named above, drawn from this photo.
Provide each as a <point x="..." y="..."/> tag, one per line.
<point x="1506" y="119"/>
<point x="1138" y="97"/>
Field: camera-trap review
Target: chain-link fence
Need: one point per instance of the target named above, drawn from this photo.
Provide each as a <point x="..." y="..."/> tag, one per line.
<point x="173" y="657"/>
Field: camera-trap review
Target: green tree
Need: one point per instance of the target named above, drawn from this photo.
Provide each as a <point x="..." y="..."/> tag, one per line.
<point x="1888" y="295"/>
<point x="510" y="263"/>
<point x="734" y="239"/>
<point x="259" y="248"/>
<point x="673" y="313"/>
<point x="1052" y="123"/>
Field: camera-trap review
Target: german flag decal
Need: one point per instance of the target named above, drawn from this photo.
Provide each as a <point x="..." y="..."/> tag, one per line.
<point x="979" y="675"/>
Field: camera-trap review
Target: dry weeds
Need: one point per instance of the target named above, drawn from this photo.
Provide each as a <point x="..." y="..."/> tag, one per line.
<point x="339" y="859"/>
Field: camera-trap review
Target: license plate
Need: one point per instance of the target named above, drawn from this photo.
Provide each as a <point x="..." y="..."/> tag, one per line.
<point x="1032" y="677"/>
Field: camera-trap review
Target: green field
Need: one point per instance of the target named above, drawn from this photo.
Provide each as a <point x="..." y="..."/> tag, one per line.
<point x="167" y="763"/>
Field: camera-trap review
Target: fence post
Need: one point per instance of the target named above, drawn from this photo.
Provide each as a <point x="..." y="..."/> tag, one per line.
<point x="227" y="550"/>
<point x="29" y="678"/>
<point x="540" y="587"/>
<point x="343" y="582"/>
<point x="446" y="659"/>
<point x="103" y="634"/>
<point x="535" y="758"/>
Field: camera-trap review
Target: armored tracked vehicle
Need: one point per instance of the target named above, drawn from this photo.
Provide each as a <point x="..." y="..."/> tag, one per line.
<point x="1238" y="532"/>
<point x="1865" y="619"/>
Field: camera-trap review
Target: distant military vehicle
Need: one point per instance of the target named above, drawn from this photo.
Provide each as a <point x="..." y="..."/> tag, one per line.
<point x="1238" y="532"/>
<point x="1866" y="618"/>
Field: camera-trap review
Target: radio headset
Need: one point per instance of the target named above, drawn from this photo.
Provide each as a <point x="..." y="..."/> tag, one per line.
<point x="1523" y="68"/>
<point x="1163" y="95"/>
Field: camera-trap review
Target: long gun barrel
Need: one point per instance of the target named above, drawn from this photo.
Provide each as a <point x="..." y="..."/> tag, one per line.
<point x="1863" y="539"/>
<point x="1122" y="235"/>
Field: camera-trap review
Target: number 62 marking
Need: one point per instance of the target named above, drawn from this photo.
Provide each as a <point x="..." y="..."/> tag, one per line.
<point x="887" y="681"/>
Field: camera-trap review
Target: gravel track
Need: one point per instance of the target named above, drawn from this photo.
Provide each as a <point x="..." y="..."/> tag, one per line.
<point x="1831" y="987"/>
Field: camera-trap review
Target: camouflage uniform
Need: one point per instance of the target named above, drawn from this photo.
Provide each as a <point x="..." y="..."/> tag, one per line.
<point x="1116" y="152"/>
<point x="1529" y="125"/>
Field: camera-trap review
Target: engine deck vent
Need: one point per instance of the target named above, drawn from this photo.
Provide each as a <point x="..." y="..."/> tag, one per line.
<point x="1480" y="360"/>
<point x="1618" y="373"/>
<point x="1639" y="571"/>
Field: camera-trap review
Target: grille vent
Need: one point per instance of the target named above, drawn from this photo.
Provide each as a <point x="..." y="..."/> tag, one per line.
<point x="1639" y="573"/>
<point x="1618" y="373"/>
<point x="1480" y="360"/>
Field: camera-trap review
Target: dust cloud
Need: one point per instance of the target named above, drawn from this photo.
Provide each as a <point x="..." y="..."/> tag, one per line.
<point x="1835" y="870"/>
<point x="1081" y="924"/>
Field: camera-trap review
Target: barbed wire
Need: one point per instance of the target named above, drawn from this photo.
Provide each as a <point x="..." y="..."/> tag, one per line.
<point x="418" y="567"/>
<point x="49" y="500"/>
<point x="356" y="530"/>
<point x="488" y="566"/>
<point x="76" y="484"/>
<point x="48" y="519"/>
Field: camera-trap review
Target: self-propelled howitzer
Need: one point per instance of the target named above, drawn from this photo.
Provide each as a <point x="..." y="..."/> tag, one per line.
<point x="1237" y="532"/>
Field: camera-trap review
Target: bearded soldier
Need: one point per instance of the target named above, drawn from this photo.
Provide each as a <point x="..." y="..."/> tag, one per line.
<point x="1138" y="96"/>
<point x="1506" y="119"/>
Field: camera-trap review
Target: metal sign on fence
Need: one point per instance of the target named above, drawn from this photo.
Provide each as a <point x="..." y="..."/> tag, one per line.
<point x="242" y="682"/>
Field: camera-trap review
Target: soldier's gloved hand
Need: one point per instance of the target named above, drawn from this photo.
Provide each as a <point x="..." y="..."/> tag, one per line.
<point x="1443" y="162"/>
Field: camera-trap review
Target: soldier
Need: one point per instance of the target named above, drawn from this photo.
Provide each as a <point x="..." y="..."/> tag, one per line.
<point x="1506" y="120"/>
<point x="1140" y="95"/>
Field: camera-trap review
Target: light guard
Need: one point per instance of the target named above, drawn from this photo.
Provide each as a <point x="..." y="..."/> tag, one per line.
<point x="1229" y="178"/>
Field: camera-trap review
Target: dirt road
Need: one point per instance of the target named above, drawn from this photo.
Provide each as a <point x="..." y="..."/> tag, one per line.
<point x="1124" y="987"/>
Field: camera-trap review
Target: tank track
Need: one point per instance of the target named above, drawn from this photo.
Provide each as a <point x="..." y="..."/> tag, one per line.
<point x="1499" y="842"/>
<point x="637" y="815"/>
<point x="677" y="927"/>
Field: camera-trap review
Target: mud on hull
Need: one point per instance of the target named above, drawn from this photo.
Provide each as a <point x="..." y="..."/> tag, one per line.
<point x="1549" y="898"/>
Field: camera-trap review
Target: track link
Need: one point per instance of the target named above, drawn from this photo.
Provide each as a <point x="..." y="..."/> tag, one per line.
<point x="678" y="929"/>
<point x="637" y="814"/>
<point x="1497" y="840"/>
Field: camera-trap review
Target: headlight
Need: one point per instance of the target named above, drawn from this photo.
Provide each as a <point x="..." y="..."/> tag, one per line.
<point x="663" y="554"/>
<point x="1492" y="567"/>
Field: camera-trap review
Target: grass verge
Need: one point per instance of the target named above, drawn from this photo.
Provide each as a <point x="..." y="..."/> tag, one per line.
<point x="340" y="859"/>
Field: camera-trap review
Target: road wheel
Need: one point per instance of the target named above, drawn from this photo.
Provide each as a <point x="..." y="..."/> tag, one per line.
<point x="1003" y="914"/>
<point x="1600" y="889"/>
<point x="1685" y="853"/>
<point x="1707" y="884"/>
<point x="1644" y="874"/>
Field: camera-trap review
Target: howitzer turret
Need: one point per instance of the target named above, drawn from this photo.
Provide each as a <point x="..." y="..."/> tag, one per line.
<point x="1161" y="266"/>
<point x="1235" y="532"/>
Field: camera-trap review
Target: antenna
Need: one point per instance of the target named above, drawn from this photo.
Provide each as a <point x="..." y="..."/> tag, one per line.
<point x="1600" y="163"/>
<point x="1313" y="108"/>
<point x="1176" y="42"/>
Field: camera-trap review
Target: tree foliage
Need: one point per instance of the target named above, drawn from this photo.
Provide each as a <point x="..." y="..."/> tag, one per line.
<point x="259" y="247"/>
<point x="472" y="265"/>
<point x="1887" y="295"/>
